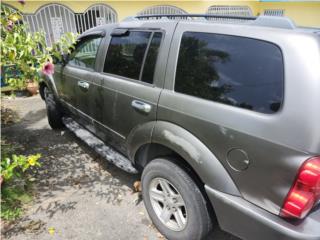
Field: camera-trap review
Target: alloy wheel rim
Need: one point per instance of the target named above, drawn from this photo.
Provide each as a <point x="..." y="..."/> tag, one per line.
<point x="168" y="204"/>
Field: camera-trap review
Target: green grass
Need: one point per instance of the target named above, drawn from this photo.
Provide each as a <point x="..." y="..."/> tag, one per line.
<point x="13" y="198"/>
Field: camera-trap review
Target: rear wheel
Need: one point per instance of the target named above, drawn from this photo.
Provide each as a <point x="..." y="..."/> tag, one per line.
<point x="53" y="111"/>
<point x="174" y="201"/>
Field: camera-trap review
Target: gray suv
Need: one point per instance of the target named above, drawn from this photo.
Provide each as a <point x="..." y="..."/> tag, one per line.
<point x="220" y="114"/>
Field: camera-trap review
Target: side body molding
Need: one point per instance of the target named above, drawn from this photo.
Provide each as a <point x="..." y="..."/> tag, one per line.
<point x="202" y="160"/>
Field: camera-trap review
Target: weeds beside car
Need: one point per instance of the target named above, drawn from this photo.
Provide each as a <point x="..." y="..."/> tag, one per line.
<point x="16" y="181"/>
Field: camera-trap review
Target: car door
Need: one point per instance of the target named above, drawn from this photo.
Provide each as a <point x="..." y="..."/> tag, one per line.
<point x="135" y="65"/>
<point x="77" y="83"/>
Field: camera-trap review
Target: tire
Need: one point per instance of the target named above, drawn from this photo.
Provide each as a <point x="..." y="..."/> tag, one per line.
<point x="164" y="176"/>
<point x="53" y="111"/>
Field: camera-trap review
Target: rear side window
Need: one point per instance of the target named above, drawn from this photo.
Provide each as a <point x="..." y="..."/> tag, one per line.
<point x="237" y="71"/>
<point x="133" y="55"/>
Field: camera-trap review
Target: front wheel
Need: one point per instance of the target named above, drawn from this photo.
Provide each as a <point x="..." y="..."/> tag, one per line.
<point x="53" y="111"/>
<point x="174" y="201"/>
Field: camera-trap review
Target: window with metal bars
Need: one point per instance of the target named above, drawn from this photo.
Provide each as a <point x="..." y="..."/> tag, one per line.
<point x="239" y="11"/>
<point x="161" y="9"/>
<point x="56" y="19"/>
<point x="243" y="11"/>
<point x="95" y="15"/>
<point x="274" y="12"/>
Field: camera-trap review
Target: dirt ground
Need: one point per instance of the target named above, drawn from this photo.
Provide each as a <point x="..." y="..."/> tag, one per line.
<point x="78" y="195"/>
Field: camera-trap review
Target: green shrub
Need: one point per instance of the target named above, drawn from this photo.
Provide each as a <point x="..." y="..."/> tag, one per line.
<point x="15" y="187"/>
<point x="13" y="165"/>
<point x="17" y="164"/>
<point x="24" y="54"/>
<point x="12" y="200"/>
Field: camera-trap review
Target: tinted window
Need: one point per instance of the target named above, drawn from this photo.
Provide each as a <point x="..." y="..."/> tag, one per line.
<point x="151" y="59"/>
<point x="85" y="53"/>
<point x="238" y="71"/>
<point x="125" y="54"/>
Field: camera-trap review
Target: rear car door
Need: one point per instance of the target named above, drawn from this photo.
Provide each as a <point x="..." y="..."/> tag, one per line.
<point x="77" y="82"/>
<point x="136" y="61"/>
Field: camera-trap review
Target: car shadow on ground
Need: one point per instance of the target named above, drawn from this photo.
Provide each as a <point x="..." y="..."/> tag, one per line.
<point x="68" y="165"/>
<point x="68" y="162"/>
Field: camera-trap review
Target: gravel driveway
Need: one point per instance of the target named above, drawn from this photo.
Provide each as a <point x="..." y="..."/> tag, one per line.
<point x="78" y="194"/>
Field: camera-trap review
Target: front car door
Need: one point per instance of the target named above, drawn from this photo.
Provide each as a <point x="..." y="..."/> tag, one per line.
<point x="77" y="83"/>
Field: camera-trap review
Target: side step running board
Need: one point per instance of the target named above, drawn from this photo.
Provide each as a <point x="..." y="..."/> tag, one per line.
<point x="99" y="146"/>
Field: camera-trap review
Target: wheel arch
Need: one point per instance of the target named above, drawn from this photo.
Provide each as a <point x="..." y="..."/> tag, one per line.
<point x="167" y="139"/>
<point x="42" y="85"/>
<point x="47" y="81"/>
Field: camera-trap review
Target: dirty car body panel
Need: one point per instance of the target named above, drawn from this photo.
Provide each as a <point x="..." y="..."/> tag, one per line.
<point x="246" y="159"/>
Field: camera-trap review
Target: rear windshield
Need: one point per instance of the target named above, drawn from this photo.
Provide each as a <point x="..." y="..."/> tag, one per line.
<point x="237" y="71"/>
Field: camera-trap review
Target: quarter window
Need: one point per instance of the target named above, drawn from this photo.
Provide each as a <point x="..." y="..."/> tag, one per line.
<point x="237" y="71"/>
<point x="133" y="55"/>
<point x="85" y="53"/>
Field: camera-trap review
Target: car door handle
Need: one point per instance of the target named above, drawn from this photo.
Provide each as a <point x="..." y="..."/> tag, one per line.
<point x="141" y="106"/>
<point x="83" y="84"/>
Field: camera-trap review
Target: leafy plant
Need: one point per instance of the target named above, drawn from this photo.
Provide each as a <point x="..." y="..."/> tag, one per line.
<point x="63" y="46"/>
<point x="12" y="200"/>
<point x="13" y="165"/>
<point x="17" y="164"/>
<point x="13" y="173"/>
<point x="27" y="52"/>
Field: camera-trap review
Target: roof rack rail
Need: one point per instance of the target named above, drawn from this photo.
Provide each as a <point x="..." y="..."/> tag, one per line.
<point x="207" y="16"/>
<point x="266" y="21"/>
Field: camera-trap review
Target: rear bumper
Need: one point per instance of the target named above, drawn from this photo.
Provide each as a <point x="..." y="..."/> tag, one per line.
<point x="247" y="221"/>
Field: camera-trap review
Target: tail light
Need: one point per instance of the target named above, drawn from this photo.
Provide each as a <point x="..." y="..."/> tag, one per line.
<point x="305" y="192"/>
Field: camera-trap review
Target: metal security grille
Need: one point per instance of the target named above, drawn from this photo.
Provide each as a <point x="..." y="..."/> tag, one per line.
<point x="95" y="15"/>
<point x="53" y="19"/>
<point x="239" y="11"/>
<point x="56" y="19"/>
<point x="162" y="9"/>
<point x="242" y="11"/>
<point x="274" y="12"/>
